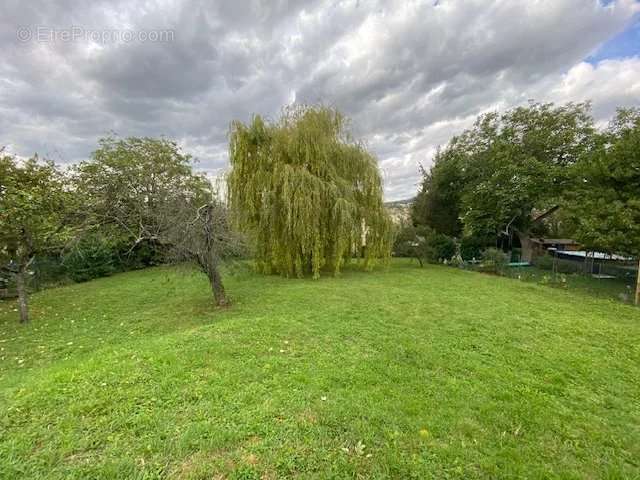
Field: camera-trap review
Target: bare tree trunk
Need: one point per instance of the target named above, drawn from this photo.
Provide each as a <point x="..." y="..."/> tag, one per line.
<point x="23" y="303"/>
<point x="217" y="287"/>
<point x="637" y="300"/>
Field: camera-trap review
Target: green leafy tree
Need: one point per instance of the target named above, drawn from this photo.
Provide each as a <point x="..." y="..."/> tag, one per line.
<point x="306" y="192"/>
<point x="143" y="191"/>
<point x="605" y="204"/>
<point x="424" y="244"/>
<point x="35" y="205"/>
<point x="440" y="247"/>
<point x="129" y="184"/>
<point x="517" y="167"/>
<point x="508" y="173"/>
<point x="437" y="205"/>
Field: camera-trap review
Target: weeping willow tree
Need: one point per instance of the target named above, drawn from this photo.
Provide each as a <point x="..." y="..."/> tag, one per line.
<point x="307" y="193"/>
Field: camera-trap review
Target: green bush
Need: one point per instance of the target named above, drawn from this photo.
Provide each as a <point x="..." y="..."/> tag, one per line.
<point x="439" y="247"/>
<point x="472" y="247"/>
<point x="48" y="270"/>
<point x="424" y="244"/>
<point x="494" y="260"/>
<point x="406" y="242"/>
<point x="97" y="255"/>
<point x="92" y="257"/>
<point x="145" y="254"/>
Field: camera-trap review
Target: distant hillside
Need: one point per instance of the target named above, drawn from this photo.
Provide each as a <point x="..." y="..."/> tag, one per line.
<point x="400" y="210"/>
<point x="399" y="203"/>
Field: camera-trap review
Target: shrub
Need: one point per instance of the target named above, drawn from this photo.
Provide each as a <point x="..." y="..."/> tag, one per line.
<point x="145" y="254"/>
<point x="494" y="260"/>
<point x="406" y="242"/>
<point x="424" y="244"/>
<point x="92" y="257"/>
<point x="472" y="247"/>
<point x="439" y="247"/>
<point x="48" y="270"/>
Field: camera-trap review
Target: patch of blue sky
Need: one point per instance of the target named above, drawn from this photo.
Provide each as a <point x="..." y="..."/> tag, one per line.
<point x="625" y="44"/>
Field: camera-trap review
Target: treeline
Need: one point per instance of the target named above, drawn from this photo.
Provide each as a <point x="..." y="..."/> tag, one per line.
<point x="304" y="198"/>
<point x="537" y="170"/>
<point x="307" y="198"/>
<point x="135" y="203"/>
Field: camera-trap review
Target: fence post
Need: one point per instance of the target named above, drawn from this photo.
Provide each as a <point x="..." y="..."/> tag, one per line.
<point x="638" y="284"/>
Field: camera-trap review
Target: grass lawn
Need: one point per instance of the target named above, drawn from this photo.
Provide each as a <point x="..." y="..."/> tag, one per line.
<point x="620" y="289"/>
<point x="399" y="373"/>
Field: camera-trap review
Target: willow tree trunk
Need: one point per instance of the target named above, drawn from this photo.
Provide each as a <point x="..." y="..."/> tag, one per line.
<point x="217" y="287"/>
<point x="23" y="303"/>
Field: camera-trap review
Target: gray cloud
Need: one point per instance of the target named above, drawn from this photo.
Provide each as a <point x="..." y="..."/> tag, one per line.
<point x="409" y="73"/>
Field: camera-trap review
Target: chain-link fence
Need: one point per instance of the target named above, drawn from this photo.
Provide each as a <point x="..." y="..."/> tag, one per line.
<point x="602" y="275"/>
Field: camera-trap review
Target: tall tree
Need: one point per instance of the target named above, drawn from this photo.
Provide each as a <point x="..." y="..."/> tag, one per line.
<point x="144" y="190"/>
<point x="605" y="204"/>
<point x="306" y="192"/>
<point x="512" y="168"/>
<point x="437" y="204"/>
<point x="129" y="183"/>
<point x="34" y="217"/>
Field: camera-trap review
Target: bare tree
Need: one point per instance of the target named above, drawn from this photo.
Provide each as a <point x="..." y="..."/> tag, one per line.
<point x="203" y="235"/>
<point x="145" y="190"/>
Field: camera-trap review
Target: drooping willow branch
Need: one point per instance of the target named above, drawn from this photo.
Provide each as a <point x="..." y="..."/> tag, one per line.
<point x="308" y="194"/>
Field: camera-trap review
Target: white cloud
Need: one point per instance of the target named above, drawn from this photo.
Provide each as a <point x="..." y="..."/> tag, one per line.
<point x="410" y="73"/>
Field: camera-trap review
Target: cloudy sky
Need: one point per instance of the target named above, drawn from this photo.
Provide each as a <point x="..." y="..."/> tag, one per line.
<point x="410" y="74"/>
